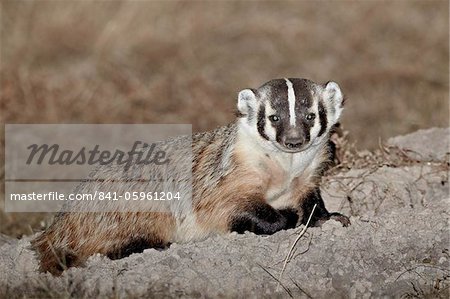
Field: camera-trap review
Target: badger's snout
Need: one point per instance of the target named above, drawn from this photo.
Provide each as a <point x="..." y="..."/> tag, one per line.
<point x="293" y="140"/>
<point x="294" y="143"/>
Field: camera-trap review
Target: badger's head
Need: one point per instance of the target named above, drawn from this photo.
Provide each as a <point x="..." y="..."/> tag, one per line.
<point x="291" y="115"/>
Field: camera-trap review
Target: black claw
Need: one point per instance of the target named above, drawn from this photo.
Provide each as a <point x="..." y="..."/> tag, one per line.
<point x="341" y="218"/>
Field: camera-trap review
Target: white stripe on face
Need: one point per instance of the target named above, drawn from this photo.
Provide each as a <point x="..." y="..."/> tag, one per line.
<point x="291" y="100"/>
<point x="269" y="130"/>
<point x="315" y="129"/>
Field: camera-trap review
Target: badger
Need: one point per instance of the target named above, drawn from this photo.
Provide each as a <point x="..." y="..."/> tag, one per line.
<point x="260" y="174"/>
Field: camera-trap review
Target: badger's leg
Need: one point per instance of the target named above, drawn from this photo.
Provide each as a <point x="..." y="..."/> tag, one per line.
<point x="321" y="214"/>
<point x="76" y="236"/>
<point x="56" y="259"/>
<point x="260" y="218"/>
<point x="137" y="231"/>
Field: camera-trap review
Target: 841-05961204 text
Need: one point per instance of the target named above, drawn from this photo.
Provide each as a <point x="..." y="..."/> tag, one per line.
<point x="97" y="195"/>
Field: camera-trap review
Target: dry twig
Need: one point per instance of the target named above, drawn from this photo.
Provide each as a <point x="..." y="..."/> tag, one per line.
<point x="293" y="246"/>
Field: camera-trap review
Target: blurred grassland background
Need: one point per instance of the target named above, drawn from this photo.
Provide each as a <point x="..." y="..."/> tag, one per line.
<point x="184" y="62"/>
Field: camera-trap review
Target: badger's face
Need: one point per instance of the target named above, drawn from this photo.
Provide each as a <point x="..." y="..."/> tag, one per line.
<point x="291" y="114"/>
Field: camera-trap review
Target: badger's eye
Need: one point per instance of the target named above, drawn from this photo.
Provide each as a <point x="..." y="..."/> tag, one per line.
<point x="310" y="116"/>
<point x="274" y="118"/>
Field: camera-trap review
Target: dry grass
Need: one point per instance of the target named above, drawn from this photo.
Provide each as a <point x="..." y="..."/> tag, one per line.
<point x="184" y="62"/>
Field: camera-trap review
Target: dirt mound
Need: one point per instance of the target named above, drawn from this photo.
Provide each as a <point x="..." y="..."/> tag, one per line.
<point x="397" y="245"/>
<point x="424" y="145"/>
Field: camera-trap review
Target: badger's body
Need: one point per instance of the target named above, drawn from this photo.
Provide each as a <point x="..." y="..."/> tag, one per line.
<point x="259" y="173"/>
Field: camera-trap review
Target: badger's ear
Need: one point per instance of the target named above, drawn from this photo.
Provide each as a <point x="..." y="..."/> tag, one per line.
<point x="247" y="102"/>
<point x="334" y="99"/>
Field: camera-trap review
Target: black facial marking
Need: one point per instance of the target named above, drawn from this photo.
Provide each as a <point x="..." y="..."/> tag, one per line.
<point x="307" y="130"/>
<point x="279" y="128"/>
<point x="277" y="96"/>
<point x="322" y="119"/>
<point x="261" y="123"/>
<point x="276" y="92"/>
<point x="302" y="93"/>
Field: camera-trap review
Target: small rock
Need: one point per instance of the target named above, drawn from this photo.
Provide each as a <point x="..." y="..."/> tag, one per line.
<point x="424" y="145"/>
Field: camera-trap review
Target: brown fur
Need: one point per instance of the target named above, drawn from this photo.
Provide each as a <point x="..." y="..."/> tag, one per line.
<point x="230" y="175"/>
<point x="79" y="235"/>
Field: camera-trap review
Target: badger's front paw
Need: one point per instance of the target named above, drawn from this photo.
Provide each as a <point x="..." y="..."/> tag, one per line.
<point x="262" y="219"/>
<point x="319" y="214"/>
<point x="291" y="216"/>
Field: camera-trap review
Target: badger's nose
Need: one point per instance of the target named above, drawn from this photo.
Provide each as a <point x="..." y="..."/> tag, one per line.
<point x="293" y="143"/>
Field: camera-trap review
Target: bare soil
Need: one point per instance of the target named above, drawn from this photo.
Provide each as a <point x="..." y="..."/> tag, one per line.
<point x="397" y="246"/>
